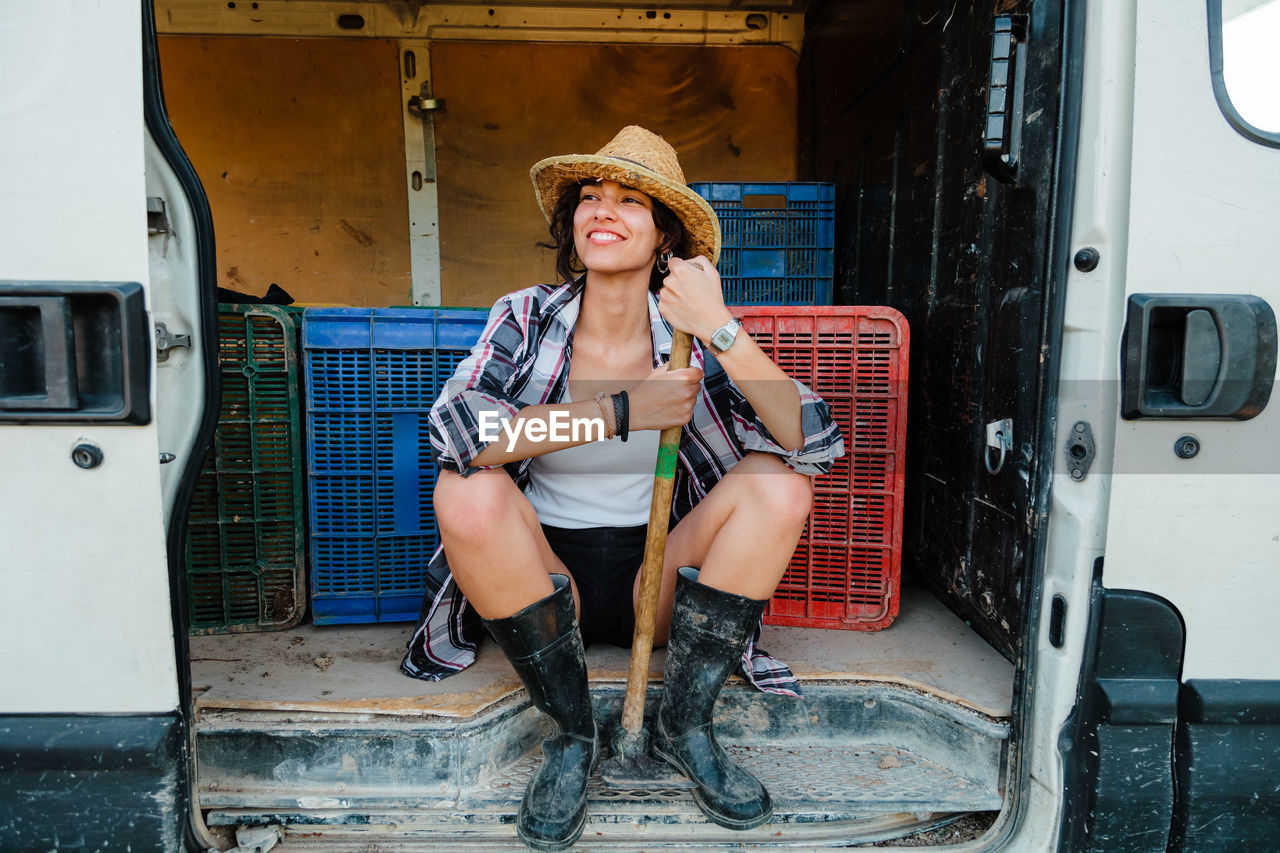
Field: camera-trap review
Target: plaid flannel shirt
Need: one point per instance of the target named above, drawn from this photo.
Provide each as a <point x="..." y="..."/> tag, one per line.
<point x="522" y="359"/>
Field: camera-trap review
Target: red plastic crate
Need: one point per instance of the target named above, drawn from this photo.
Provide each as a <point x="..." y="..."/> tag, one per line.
<point x="845" y="571"/>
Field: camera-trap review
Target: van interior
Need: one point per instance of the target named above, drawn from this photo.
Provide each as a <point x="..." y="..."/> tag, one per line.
<point x="326" y="181"/>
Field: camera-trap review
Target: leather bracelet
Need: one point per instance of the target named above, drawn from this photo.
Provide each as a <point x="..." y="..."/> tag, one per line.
<point x="610" y="428"/>
<point x="622" y="414"/>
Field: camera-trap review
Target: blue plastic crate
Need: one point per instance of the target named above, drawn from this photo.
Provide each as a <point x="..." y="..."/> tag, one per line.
<point x="777" y="241"/>
<point x="371" y="377"/>
<point x="406" y="474"/>
<point x="341" y="504"/>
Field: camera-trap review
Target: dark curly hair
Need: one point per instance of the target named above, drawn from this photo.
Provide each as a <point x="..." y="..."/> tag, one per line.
<point x="674" y="236"/>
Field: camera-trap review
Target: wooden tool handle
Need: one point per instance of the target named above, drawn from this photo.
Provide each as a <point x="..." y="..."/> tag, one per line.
<point x="655" y="546"/>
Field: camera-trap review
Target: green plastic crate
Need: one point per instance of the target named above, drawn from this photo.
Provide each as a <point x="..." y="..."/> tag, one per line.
<point x="246" y="554"/>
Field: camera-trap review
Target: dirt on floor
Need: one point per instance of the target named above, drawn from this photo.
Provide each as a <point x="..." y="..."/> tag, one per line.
<point x="965" y="828"/>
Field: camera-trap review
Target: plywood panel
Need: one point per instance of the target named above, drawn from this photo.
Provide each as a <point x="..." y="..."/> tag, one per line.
<point x="730" y="113"/>
<point x="300" y="146"/>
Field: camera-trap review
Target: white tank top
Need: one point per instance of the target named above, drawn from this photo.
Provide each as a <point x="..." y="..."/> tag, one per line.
<point x="597" y="484"/>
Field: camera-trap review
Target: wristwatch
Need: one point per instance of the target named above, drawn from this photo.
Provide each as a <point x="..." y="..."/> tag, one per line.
<point x="723" y="337"/>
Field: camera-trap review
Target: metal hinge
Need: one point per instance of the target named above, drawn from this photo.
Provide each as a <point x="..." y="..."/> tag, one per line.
<point x="425" y="107"/>
<point x="157" y="216"/>
<point x="1006" y="91"/>
<point x="422" y="104"/>
<point x="166" y="341"/>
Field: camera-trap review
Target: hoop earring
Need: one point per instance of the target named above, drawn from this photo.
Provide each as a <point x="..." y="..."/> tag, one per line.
<point x="664" y="263"/>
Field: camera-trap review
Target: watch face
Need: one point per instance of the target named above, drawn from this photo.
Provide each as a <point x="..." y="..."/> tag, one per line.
<point x="723" y="338"/>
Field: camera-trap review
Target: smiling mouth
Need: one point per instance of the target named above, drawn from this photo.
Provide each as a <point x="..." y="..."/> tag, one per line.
<point x="603" y="237"/>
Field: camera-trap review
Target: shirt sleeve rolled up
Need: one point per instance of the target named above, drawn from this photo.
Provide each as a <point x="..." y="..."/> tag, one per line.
<point x="822" y="446"/>
<point x="479" y="388"/>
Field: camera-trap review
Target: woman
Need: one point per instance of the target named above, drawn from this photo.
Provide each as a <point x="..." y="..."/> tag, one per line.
<point x="543" y="528"/>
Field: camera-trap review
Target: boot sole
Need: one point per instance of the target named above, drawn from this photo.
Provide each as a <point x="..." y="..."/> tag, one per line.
<point x="552" y="845"/>
<point x="712" y="815"/>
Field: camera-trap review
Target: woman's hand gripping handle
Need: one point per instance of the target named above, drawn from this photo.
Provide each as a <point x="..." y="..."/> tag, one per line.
<point x="667" y="395"/>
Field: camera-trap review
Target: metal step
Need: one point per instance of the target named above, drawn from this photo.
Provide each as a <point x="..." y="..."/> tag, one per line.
<point x="848" y="761"/>
<point x="399" y="833"/>
<point x="808" y="784"/>
<point x="385" y="834"/>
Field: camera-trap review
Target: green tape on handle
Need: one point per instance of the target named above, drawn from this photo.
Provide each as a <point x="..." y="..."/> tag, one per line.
<point x="667" y="454"/>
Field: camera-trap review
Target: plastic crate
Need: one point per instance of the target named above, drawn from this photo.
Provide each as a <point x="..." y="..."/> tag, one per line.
<point x="371" y="377"/>
<point x="245" y="557"/>
<point x="845" y="571"/>
<point x="778" y="241"/>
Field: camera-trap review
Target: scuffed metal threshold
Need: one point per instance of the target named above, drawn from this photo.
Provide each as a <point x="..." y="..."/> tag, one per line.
<point x="824" y="794"/>
<point x="399" y="833"/>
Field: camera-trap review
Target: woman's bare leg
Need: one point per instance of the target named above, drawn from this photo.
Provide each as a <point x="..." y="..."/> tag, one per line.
<point x="741" y="536"/>
<point x="495" y="545"/>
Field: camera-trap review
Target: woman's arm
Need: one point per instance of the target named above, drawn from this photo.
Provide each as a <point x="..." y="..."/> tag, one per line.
<point x="542" y="429"/>
<point x="769" y="391"/>
<point x="478" y="387"/>
<point x="665" y="398"/>
<point x="692" y="301"/>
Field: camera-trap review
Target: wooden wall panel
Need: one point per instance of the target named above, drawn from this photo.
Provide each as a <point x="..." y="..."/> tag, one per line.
<point x="729" y="112"/>
<point x="300" y="146"/>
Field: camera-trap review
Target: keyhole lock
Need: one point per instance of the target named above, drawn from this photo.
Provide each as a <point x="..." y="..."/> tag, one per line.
<point x="86" y="455"/>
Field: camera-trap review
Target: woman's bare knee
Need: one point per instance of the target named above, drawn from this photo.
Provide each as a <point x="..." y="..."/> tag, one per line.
<point x="780" y="492"/>
<point x="498" y="557"/>
<point x="793" y="497"/>
<point x="474" y="506"/>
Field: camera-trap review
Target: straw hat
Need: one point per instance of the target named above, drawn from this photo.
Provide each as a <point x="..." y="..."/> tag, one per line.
<point x="642" y="160"/>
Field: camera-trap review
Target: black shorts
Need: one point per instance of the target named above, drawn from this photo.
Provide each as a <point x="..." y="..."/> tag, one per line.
<point x="604" y="562"/>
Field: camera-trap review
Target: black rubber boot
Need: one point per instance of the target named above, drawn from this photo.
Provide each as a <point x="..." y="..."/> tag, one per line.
<point x="544" y="645"/>
<point x="709" y="630"/>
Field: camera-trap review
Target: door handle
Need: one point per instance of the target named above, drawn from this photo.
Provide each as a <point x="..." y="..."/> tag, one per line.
<point x="1197" y="356"/>
<point x="74" y="352"/>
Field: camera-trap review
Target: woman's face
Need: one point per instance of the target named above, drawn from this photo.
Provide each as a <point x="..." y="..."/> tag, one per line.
<point x="613" y="229"/>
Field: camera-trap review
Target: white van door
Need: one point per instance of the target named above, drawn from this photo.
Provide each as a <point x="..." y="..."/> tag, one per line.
<point x="1180" y="706"/>
<point x="91" y="741"/>
<point x="1197" y="521"/>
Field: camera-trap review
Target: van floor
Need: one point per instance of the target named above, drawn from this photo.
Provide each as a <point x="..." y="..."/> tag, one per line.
<point x="355" y="668"/>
